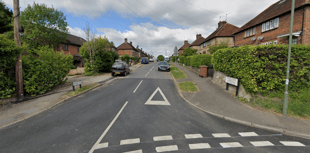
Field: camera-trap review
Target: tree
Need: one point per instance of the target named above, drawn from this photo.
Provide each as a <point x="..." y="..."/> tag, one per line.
<point x="43" y="26"/>
<point x="189" y="51"/>
<point x="90" y="38"/>
<point x="6" y="18"/>
<point x="161" y="58"/>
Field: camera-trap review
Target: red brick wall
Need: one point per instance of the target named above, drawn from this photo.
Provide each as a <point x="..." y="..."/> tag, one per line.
<point x="181" y="52"/>
<point x="72" y="50"/>
<point x="271" y="35"/>
<point x="306" y="31"/>
<point x="128" y="52"/>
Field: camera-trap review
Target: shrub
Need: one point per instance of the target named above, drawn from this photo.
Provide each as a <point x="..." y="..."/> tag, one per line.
<point x="214" y="48"/>
<point x="182" y="59"/>
<point x="43" y="68"/>
<point x="189" y="51"/>
<point x="263" y="68"/>
<point x="174" y="58"/>
<point x="188" y="61"/>
<point x="8" y="55"/>
<point x="126" y="58"/>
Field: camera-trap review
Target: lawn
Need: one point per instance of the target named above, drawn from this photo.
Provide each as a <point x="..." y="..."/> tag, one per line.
<point x="188" y="86"/>
<point x="78" y="90"/>
<point x="177" y="74"/>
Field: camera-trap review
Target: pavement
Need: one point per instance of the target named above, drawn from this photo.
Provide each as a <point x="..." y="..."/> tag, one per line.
<point x="218" y="102"/>
<point x="24" y="110"/>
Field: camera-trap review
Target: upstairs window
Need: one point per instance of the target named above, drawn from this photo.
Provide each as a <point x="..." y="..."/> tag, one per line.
<point x="254" y="29"/>
<point x="249" y="32"/>
<point x="269" y="25"/>
<point x="276" y="22"/>
<point x="65" y="47"/>
<point x="204" y="45"/>
<point x="263" y="27"/>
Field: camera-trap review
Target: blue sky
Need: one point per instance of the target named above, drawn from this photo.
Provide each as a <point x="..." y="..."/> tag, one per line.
<point x="154" y="25"/>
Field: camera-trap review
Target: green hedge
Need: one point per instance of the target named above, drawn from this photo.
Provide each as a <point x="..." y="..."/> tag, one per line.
<point x="43" y="68"/>
<point x="196" y="60"/>
<point x="126" y="58"/>
<point x="263" y="68"/>
<point x="8" y="55"/>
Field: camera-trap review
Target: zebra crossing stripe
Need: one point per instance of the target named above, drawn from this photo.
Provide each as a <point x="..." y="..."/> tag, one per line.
<point x="248" y="134"/>
<point x="261" y="143"/>
<point x="193" y="136"/>
<point x="162" y="138"/>
<point x="130" y="141"/>
<point x="292" y="143"/>
<point x="136" y="151"/>
<point x="231" y="145"/>
<point x="199" y="146"/>
<point x="221" y="135"/>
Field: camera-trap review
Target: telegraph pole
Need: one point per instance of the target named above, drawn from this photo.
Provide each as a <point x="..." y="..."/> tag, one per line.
<point x="285" y="105"/>
<point x="18" y="64"/>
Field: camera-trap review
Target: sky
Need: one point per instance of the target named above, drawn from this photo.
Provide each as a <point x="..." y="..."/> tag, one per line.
<point x="157" y="26"/>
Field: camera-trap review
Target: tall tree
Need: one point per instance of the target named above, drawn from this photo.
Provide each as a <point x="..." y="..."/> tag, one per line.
<point x="6" y="18"/>
<point x="44" y="26"/>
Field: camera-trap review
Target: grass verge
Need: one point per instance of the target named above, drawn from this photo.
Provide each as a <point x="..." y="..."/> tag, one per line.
<point x="177" y="74"/>
<point x="298" y="104"/>
<point x="188" y="86"/>
<point x="77" y="91"/>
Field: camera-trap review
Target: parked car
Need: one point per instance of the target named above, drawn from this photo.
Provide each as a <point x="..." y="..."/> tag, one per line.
<point x="152" y="60"/>
<point x="145" y="60"/>
<point x="163" y="66"/>
<point x="120" y="67"/>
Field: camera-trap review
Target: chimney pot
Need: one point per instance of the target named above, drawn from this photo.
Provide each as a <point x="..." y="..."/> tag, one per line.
<point x="130" y="43"/>
<point x="221" y="23"/>
<point x="198" y="36"/>
<point x="137" y="46"/>
<point x="125" y="39"/>
<point x="185" y="42"/>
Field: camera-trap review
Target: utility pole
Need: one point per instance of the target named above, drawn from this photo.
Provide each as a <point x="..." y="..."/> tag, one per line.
<point x="285" y="105"/>
<point x="18" y="64"/>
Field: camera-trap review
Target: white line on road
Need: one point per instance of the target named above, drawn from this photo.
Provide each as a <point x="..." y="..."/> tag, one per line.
<point x="292" y="143"/>
<point x="149" y="71"/>
<point x="167" y="148"/>
<point x="231" y="145"/>
<point x="261" y="143"/>
<point x="138" y="86"/>
<point x="136" y="151"/>
<point x="247" y="134"/>
<point x="161" y="138"/>
<point x="193" y="136"/>
<point x="221" y="135"/>
<point x="199" y="146"/>
<point x="97" y="145"/>
<point x="130" y="141"/>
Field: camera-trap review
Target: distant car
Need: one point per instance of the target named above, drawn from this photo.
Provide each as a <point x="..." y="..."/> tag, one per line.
<point x="145" y="60"/>
<point x="163" y="66"/>
<point x="120" y="67"/>
<point x="152" y="60"/>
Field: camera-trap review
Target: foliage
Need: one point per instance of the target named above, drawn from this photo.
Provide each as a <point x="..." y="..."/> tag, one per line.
<point x="43" y="68"/>
<point x="135" y="59"/>
<point x="182" y="59"/>
<point x="262" y="68"/>
<point x="189" y="51"/>
<point x="8" y="55"/>
<point x="6" y="18"/>
<point x="188" y="86"/>
<point x="177" y="73"/>
<point x="125" y="58"/>
<point x="174" y="58"/>
<point x="103" y="58"/>
<point x="214" y="48"/>
<point x="78" y="90"/>
<point x="161" y="58"/>
<point x="196" y="60"/>
<point x="44" y="26"/>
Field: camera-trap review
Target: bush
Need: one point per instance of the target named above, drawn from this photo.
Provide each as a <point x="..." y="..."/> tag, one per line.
<point x="174" y="58"/>
<point x="126" y="58"/>
<point x="189" y="51"/>
<point x="43" y="68"/>
<point x="8" y="55"/>
<point x="263" y="68"/>
<point x="182" y="59"/>
<point x="214" y="48"/>
<point x="135" y="59"/>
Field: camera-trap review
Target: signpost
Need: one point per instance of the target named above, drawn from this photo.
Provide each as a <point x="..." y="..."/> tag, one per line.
<point x="76" y="84"/>
<point x="232" y="81"/>
<point x="175" y="57"/>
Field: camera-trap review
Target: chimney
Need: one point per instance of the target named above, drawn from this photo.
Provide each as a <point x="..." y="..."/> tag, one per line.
<point x="125" y="40"/>
<point x="198" y="36"/>
<point x="141" y="49"/>
<point x="221" y="23"/>
<point x="185" y="42"/>
<point x="137" y="46"/>
<point x="130" y="43"/>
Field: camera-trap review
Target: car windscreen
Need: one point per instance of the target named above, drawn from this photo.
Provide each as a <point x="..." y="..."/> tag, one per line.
<point x="144" y="58"/>
<point x="163" y="63"/>
<point x="117" y="65"/>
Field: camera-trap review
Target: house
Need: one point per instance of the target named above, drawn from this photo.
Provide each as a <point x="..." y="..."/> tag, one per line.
<point x="272" y="26"/>
<point x="127" y="48"/>
<point x="72" y="47"/>
<point x="186" y="45"/>
<point x="113" y="48"/>
<point x="197" y="42"/>
<point x="223" y="34"/>
<point x="141" y="53"/>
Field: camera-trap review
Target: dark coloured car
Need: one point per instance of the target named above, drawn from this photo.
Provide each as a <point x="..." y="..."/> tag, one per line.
<point x="163" y="66"/>
<point x="145" y="60"/>
<point x="120" y="67"/>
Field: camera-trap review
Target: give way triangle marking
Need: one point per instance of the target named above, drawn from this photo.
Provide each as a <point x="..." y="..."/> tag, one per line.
<point x="155" y="102"/>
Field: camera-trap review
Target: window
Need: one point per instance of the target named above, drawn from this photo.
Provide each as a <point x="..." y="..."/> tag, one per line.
<point x="271" y="24"/>
<point x="294" y="42"/>
<point x="276" y="22"/>
<point x="245" y="33"/>
<point x="65" y="47"/>
<point x="263" y="27"/>
<point x="267" y="26"/>
<point x="254" y="29"/>
<point x="251" y="32"/>
<point x="204" y="45"/>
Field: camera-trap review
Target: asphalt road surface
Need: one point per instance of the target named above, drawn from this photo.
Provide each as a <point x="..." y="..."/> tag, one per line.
<point x="141" y="112"/>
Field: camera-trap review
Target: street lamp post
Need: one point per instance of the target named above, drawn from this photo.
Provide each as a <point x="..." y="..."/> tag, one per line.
<point x="175" y="55"/>
<point x="285" y="105"/>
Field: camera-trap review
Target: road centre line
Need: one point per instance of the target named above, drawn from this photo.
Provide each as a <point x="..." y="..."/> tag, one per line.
<point x="137" y="86"/>
<point x="96" y="145"/>
<point x="149" y="71"/>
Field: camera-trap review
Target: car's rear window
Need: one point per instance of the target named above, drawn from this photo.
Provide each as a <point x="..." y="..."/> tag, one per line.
<point x="117" y="65"/>
<point x="163" y="63"/>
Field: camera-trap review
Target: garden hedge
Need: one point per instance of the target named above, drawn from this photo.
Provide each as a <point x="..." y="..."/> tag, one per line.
<point x="262" y="68"/>
<point x="196" y="60"/>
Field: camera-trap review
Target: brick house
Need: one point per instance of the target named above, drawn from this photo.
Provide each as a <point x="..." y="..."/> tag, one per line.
<point x="197" y="42"/>
<point x="127" y="48"/>
<point x="186" y="45"/>
<point x="72" y="47"/>
<point x="272" y="26"/>
<point x="223" y="34"/>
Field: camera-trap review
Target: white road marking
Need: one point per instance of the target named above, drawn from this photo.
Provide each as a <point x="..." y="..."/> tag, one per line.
<point x="248" y="134"/>
<point x="292" y="143"/>
<point x="130" y="141"/>
<point x="261" y="143"/>
<point x="193" y="136"/>
<point x="138" y="86"/>
<point x="231" y="145"/>
<point x="136" y="151"/>
<point x="106" y="130"/>
<point x="221" y="135"/>
<point x="154" y="102"/>
<point x="147" y="74"/>
<point x="162" y="138"/>
<point x="102" y="145"/>
<point x="199" y="146"/>
<point x="167" y="148"/>
<point x="149" y="71"/>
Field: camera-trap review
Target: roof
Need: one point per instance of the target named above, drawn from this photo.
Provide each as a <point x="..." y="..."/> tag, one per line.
<point x="126" y="46"/>
<point x="275" y="10"/>
<point x="75" y="40"/>
<point x="224" y="31"/>
<point x="186" y="45"/>
<point x="198" y="41"/>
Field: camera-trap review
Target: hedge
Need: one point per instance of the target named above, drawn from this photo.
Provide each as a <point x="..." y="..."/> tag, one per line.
<point x="263" y="68"/>
<point x="196" y="60"/>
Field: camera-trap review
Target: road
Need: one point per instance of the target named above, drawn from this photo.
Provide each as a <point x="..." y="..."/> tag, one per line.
<point x="141" y="112"/>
